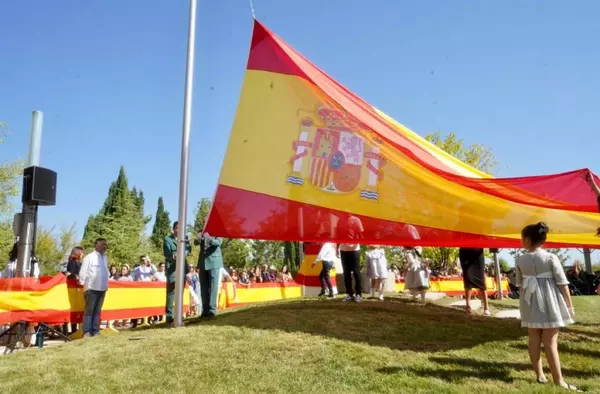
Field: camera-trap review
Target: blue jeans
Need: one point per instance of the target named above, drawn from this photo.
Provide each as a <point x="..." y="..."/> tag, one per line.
<point x="93" y="306"/>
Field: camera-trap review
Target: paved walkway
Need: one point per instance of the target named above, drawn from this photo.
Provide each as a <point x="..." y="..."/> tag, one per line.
<point x="509" y="314"/>
<point x="475" y="304"/>
<point x="434" y="296"/>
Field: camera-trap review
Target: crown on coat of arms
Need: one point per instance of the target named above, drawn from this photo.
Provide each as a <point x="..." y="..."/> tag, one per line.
<point x="336" y="119"/>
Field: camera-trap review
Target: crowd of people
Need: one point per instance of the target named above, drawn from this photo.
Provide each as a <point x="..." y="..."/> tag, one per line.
<point x="415" y="271"/>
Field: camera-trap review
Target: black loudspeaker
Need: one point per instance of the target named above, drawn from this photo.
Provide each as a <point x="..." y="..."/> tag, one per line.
<point x="39" y="186"/>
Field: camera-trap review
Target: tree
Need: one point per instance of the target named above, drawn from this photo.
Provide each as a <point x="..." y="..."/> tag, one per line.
<point x="47" y="251"/>
<point x="395" y="256"/>
<point x="121" y="221"/>
<point x="67" y="240"/>
<point x="201" y="215"/>
<point x="441" y="258"/>
<point x="504" y="266"/>
<point x="291" y="256"/>
<point x="476" y="156"/>
<point x="235" y="252"/>
<point x="266" y="252"/>
<point x="162" y="225"/>
<point x="7" y="240"/>
<point x="10" y="171"/>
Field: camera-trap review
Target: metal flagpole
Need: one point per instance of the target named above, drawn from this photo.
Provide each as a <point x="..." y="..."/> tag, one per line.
<point x="183" y="176"/>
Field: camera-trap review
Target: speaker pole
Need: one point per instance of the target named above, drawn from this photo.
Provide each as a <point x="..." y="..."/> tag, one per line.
<point x="29" y="215"/>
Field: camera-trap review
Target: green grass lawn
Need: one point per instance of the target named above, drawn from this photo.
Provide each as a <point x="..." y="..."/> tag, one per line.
<point x="314" y="346"/>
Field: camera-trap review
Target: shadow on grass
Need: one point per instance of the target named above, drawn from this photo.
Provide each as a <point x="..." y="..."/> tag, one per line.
<point x="566" y="349"/>
<point x="588" y="324"/>
<point x="585" y="335"/>
<point x="455" y="370"/>
<point x="396" y="324"/>
<point x="454" y="375"/>
<point x="500" y="370"/>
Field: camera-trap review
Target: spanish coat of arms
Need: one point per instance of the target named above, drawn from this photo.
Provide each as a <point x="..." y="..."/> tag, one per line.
<point x="338" y="152"/>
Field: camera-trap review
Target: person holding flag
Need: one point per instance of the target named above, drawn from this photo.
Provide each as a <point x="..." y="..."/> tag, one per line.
<point x="210" y="262"/>
<point x="170" y="253"/>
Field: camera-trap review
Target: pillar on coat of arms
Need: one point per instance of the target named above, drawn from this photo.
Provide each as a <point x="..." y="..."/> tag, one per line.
<point x="374" y="164"/>
<point x="301" y="146"/>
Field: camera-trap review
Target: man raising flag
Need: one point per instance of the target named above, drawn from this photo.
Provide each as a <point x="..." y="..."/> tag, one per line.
<point x="170" y="253"/>
<point x="210" y="263"/>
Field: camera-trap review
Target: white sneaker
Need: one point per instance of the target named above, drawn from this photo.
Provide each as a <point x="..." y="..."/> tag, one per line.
<point x="347" y="298"/>
<point x="358" y="298"/>
<point x="87" y="335"/>
<point x="381" y="297"/>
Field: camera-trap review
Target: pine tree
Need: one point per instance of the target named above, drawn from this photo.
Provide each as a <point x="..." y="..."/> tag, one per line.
<point x="201" y="215"/>
<point x="162" y="225"/>
<point x="291" y="252"/>
<point x="117" y="193"/>
<point x="121" y="221"/>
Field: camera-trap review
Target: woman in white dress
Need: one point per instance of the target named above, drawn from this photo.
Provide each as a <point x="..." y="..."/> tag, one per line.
<point x="545" y="301"/>
<point x="377" y="269"/>
<point x="416" y="273"/>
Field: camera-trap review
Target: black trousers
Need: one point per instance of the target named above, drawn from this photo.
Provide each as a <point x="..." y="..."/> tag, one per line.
<point x="325" y="278"/>
<point x="351" y="266"/>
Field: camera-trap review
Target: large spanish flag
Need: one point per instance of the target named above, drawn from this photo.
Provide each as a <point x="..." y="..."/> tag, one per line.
<point x="309" y="160"/>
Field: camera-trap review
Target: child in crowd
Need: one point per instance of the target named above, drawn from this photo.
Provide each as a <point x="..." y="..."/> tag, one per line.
<point x="113" y="275"/>
<point x="125" y="274"/>
<point x="376" y="269"/>
<point x="285" y="275"/>
<point x="258" y="274"/>
<point x="244" y="280"/>
<point x="416" y="273"/>
<point x="193" y="282"/>
<point x="124" y="277"/>
<point x="226" y="277"/>
<point x="545" y="301"/>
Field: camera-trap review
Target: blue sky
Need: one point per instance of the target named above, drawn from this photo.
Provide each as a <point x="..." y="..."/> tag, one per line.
<point x="519" y="77"/>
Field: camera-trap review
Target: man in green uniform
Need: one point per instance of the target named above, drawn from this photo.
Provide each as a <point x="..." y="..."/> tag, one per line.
<point x="170" y="253"/>
<point x="210" y="263"/>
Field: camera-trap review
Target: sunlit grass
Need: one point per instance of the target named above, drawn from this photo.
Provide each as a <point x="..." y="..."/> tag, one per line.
<point x="314" y="346"/>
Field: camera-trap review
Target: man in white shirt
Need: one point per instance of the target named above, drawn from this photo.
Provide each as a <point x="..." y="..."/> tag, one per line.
<point x="94" y="278"/>
<point x="145" y="270"/>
